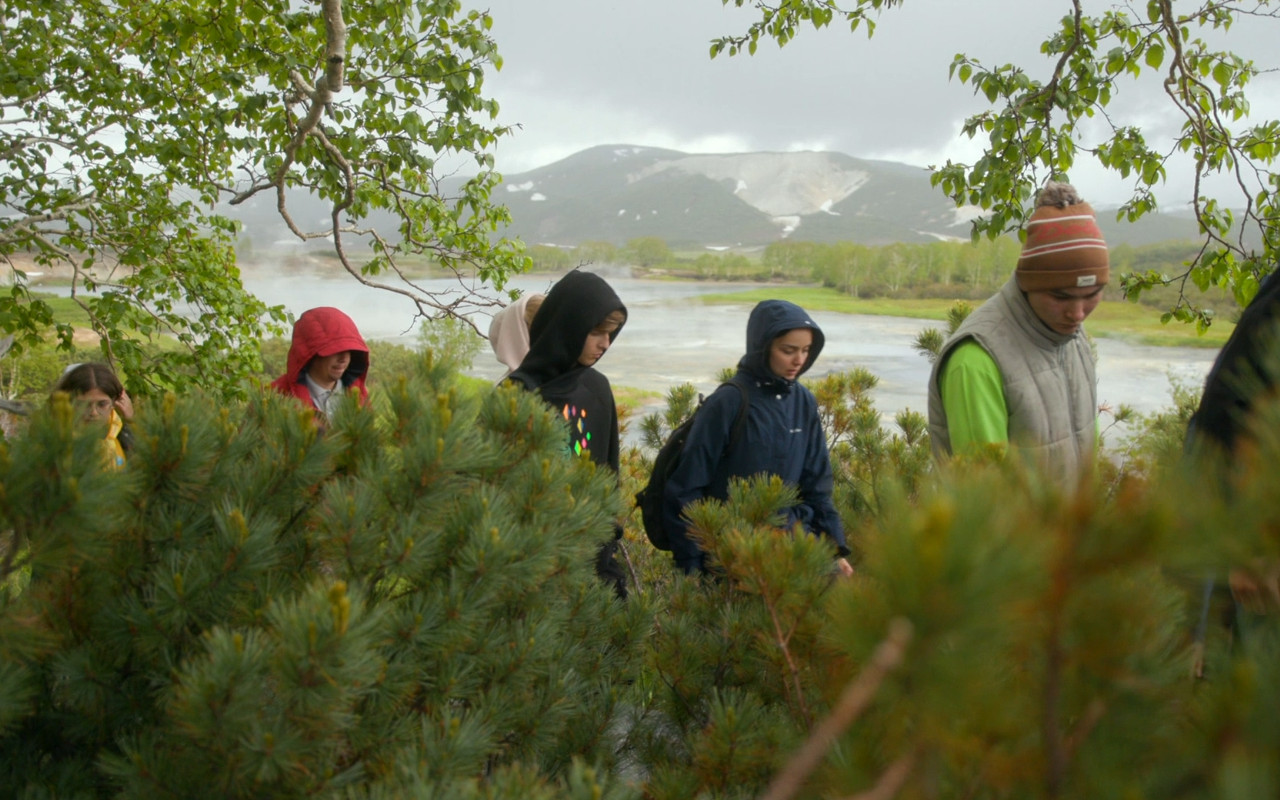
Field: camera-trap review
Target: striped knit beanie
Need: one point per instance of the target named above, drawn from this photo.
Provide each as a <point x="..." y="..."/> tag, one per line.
<point x="1064" y="247"/>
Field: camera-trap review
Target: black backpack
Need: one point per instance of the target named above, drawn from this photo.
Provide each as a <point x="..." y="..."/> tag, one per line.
<point x="664" y="464"/>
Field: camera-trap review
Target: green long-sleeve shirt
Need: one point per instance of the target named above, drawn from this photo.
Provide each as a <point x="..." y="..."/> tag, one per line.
<point x="973" y="396"/>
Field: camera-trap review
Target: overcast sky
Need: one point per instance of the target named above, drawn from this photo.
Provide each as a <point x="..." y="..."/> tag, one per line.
<point x="579" y="73"/>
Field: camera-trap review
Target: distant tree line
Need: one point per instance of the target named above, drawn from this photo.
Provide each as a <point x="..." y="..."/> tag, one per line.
<point x="951" y="270"/>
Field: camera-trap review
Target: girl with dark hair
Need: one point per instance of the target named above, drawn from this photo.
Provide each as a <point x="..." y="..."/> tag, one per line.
<point x="100" y="396"/>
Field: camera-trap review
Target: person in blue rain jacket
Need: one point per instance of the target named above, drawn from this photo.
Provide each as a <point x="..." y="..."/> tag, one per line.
<point x="782" y="435"/>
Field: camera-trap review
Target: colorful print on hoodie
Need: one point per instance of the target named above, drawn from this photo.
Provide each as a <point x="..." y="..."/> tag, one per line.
<point x="572" y="309"/>
<point x="782" y="436"/>
<point x="321" y="332"/>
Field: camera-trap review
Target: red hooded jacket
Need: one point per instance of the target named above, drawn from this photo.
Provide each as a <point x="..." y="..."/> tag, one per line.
<point x="323" y="332"/>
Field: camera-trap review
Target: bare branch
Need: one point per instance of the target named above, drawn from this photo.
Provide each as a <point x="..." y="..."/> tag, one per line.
<point x="52" y="247"/>
<point x="348" y="177"/>
<point x="30" y="222"/>
<point x="792" y="667"/>
<point x="891" y="780"/>
<point x="18" y="145"/>
<point x="1093" y="714"/>
<point x="1050" y="89"/>
<point x="241" y="196"/>
<point x="855" y="698"/>
<point x="23" y="143"/>
<point x="319" y="97"/>
<point x="336" y="36"/>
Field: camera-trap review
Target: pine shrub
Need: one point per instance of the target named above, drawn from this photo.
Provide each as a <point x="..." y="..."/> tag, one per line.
<point x="404" y="607"/>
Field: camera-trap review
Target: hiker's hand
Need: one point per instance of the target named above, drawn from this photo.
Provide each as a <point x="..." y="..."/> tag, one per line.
<point x="1257" y="589"/>
<point x="1197" y="661"/>
<point x="125" y="406"/>
<point x="846" y="569"/>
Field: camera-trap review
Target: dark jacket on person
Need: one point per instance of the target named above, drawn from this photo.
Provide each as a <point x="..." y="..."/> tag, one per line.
<point x="582" y="396"/>
<point x="782" y="435"/>
<point x="321" y="332"/>
<point x="572" y="309"/>
<point x="1244" y="370"/>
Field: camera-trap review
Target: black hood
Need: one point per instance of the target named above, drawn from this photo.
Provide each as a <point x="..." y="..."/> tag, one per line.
<point x="572" y="309"/>
<point x="769" y="320"/>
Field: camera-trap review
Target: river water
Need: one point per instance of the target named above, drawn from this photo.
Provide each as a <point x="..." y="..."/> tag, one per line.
<point x="671" y="337"/>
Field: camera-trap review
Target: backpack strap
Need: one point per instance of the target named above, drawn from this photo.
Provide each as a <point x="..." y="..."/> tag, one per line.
<point x="740" y="421"/>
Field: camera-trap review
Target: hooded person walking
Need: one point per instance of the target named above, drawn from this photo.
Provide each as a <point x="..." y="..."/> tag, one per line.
<point x="781" y="435"/>
<point x="509" y="331"/>
<point x="327" y="359"/>
<point x="579" y="319"/>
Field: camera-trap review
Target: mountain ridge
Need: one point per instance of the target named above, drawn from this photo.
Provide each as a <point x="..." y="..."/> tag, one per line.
<point x="621" y="192"/>
<point x="617" y="193"/>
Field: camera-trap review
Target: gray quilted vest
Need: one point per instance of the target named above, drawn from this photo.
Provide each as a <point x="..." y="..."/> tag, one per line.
<point x="1050" y="386"/>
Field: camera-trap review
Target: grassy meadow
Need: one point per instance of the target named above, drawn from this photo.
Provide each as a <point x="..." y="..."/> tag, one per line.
<point x="1117" y="319"/>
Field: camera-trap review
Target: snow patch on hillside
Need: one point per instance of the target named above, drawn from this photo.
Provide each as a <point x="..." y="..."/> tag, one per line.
<point x="520" y="187"/>
<point x="778" y="184"/>
<point x="942" y="237"/>
<point x="537" y="197"/>
<point x="965" y="214"/>
<point x="789" y="223"/>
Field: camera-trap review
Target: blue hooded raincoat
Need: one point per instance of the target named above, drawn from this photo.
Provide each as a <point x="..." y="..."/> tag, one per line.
<point x="782" y="436"/>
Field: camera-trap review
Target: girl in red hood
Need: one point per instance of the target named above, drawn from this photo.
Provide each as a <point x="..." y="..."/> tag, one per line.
<point x="326" y="359"/>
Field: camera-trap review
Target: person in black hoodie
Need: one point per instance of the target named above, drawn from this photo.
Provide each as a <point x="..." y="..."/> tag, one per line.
<point x="577" y="322"/>
<point x="782" y="434"/>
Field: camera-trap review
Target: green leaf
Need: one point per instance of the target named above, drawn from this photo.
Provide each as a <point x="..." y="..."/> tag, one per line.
<point x="1222" y="73"/>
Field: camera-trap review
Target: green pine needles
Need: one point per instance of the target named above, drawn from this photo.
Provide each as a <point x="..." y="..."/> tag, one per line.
<point x="249" y="610"/>
<point x="406" y="607"/>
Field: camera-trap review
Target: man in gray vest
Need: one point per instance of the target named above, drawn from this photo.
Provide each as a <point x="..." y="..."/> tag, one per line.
<point x="1019" y="373"/>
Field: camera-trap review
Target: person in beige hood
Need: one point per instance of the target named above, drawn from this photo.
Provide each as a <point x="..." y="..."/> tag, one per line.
<point x="509" y="331"/>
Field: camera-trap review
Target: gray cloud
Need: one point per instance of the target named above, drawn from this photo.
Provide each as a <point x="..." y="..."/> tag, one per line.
<point x="584" y="72"/>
